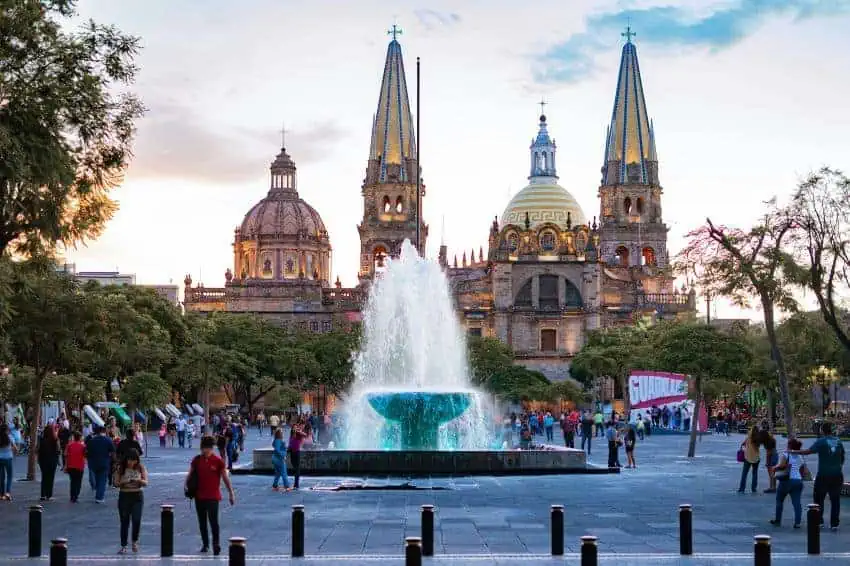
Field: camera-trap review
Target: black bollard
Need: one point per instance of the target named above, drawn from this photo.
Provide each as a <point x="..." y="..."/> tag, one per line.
<point x="427" y="530"/>
<point x="557" y="524"/>
<point x="59" y="552"/>
<point x="237" y="551"/>
<point x="413" y="551"/>
<point x="34" y="547"/>
<point x="813" y="529"/>
<point x="589" y="551"/>
<point x="166" y="531"/>
<point x="297" y="531"/>
<point x="686" y="530"/>
<point x="761" y="550"/>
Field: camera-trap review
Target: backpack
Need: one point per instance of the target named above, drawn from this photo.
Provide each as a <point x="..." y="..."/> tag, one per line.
<point x="190" y="490"/>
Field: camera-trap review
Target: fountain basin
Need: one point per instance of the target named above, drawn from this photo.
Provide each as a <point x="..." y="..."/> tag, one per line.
<point x="419" y="414"/>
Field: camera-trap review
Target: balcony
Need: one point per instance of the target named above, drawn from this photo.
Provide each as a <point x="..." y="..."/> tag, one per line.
<point x="205" y="295"/>
<point x="343" y="299"/>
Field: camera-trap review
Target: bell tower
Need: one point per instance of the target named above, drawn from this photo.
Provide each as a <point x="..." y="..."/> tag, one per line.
<point x="632" y="231"/>
<point x="389" y="189"/>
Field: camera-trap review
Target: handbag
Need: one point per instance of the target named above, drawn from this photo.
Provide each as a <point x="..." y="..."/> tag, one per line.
<point x="740" y="456"/>
<point x="190" y="490"/>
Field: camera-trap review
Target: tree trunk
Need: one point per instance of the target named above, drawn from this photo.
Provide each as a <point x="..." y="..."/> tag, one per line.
<point x="37" y="393"/>
<point x="692" y="444"/>
<point x="627" y="403"/>
<point x="784" y="395"/>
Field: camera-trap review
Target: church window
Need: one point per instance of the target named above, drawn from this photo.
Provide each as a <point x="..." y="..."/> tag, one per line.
<point x="648" y="256"/>
<point x="267" y="267"/>
<point x="326" y="326"/>
<point x="572" y="297"/>
<point x="290" y="265"/>
<point x="314" y="326"/>
<point x="547" y="241"/>
<point x="639" y="205"/>
<point x="523" y="298"/>
<point x="398" y="205"/>
<point x="627" y="205"/>
<point x="548" y="340"/>
<point x="475" y="331"/>
<point x="541" y="162"/>
<point x="386" y="205"/>
<point x="622" y="256"/>
<point x="513" y="242"/>
<point x="549" y="292"/>
<point x="379" y="254"/>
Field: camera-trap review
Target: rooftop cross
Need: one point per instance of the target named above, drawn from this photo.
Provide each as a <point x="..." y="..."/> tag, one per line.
<point x="628" y="34"/>
<point x="542" y="104"/>
<point x="282" y="135"/>
<point x="395" y="31"/>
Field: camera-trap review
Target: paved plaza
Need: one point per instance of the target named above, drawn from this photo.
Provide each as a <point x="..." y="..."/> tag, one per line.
<point x="503" y="519"/>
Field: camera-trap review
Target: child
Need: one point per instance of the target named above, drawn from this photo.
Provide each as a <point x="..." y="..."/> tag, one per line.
<point x="162" y="432"/>
<point x="190" y="432"/>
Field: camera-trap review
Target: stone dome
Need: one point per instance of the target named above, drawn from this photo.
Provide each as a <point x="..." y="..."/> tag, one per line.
<point x="543" y="202"/>
<point x="281" y="214"/>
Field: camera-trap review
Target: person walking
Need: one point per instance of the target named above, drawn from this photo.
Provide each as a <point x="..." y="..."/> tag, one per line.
<point x="99" y="451"/>
<point x="75" y="464"/>
<point x="279" y="461"/>
<point x="750" y="446"/>
<point x="296" y="439"/>
<point x="548" y="426"/>
<point x="771" y="456"/>
<point x="830" y="476"/>
<point x="598" y="421"/>
<point x="7" y="456"/>
<point x="568" y="427"/>
<point x="209" y="471"/>
<point x="128" y="443"/>
<point x="130" y="478"/>
<point x="586" y="431"/>
<point x="789" y="473"/>
<point x="180" y="425"/>
<point x="48" y="460"/>
<point x="631" y="441"/>
<point x="614" y="442"/>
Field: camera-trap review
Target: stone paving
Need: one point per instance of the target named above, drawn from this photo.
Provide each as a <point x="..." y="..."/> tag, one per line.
<point x="504" y="520"/>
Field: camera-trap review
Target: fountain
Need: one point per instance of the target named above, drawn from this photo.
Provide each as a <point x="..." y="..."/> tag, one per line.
<point x="412" y="408"/>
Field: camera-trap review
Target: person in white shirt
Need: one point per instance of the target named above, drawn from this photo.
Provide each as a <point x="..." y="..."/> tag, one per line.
<point x="686" y="419"/>
<point x="190" y="432"/>
<point x="181" y="431"/>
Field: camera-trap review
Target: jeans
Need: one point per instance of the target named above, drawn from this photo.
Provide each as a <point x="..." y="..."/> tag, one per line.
<point x="100" y="477"/>
<point x="794" y="488"/>
<point x="755" y="481"/>
<point x="48" y="474"/>
<point x="295" y="459"/>
<point x="6" y="475"/>
<point x="130" y="504"/>
<point x="76" y="477"/>
<point x="831" y="486"/>
<point x="613" y="454"/>
<point x="181" y="438"/>
<point x="550" y="434"/>
<point x="586" y="437"/>
<point x="207" y="510"/>
<point x="280" y="473"/>
<point x="92" y="481"/>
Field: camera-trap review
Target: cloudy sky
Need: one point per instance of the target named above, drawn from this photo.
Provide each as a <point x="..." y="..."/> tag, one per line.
<point x="747" y="97"/>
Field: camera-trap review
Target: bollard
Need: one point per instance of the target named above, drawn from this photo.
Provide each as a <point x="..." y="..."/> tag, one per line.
<point x="237" y="551"/>
<point x="166" y="531"/>
<point x="686" y="530"/>
<point x="761" y="550"/>
<point x="297" y="531"/>
<point x="589" y="551"/>
<point x="35" y="531"/>
<point x="557" y="523"/>
<point x="813" y="529"/>
<point x="427" y="530"/>
<point x="59" y="552"/>
<point x="413" y="551"/>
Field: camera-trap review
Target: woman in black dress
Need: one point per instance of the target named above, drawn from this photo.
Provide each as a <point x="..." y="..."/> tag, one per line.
<point x="631" y="441"/>
<point x="48" y="460"/>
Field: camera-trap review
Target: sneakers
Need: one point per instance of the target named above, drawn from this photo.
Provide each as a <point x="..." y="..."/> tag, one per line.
<point x="216" y="550"/>
<point x="204" y="550"/>
<point x="774" y="522"/>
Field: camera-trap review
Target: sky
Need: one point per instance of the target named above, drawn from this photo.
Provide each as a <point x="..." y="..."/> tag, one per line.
<point x="747" y="96"/>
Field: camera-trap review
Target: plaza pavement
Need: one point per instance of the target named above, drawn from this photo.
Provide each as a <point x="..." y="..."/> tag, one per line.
<point x="501" y="520"/>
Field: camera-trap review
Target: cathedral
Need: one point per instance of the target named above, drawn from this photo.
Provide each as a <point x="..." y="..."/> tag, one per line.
<point x="550" y="274"/>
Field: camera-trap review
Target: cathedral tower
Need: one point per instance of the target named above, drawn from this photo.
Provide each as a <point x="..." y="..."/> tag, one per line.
<point x="632" y="231"/>
<point x="389" y="189"/>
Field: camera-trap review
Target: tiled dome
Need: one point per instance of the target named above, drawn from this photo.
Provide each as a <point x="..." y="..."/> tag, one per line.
<point x="283" y="214"/>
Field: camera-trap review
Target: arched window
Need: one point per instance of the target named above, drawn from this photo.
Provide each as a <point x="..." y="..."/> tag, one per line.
<point x="648" y="256"/>
<point x="547" y="241"/>
<point x="572" y="297"/>
<point x="513" y="242"/>
<point x="548" y="296"/>
<point x="627" y="205"/>
<point x="622" y="256"/>
<point x="399" y="206"/>
<point x="523" y="298"/>
<point x="541" y="161"/>
<point x="380" y="255"/>
<point x="639" y="205"/>
<point x="581" y="242"/>
<point x="387" y="204"/>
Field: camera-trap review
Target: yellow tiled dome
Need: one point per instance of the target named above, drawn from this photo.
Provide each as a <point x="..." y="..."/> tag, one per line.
<point x="544" y="202"/>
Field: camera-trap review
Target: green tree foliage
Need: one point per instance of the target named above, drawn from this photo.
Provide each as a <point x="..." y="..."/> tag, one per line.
<point x="66" y="123"/>
<point x="334" y="352"/>
<point x="145" y="390"/>
<point x="704" y="353"/>
<point x="487" y="357"/>
<point x="517" y="383"/>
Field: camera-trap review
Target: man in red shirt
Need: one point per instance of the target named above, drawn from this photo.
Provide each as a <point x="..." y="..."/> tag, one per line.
<point x="210" y="471"/>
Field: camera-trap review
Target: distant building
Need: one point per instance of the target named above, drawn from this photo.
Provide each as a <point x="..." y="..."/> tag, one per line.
<point x="728" y="324"/>
<point x="105" y="278"/>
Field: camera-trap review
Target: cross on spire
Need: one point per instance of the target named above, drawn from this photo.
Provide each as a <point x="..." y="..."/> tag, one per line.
<point x="628" y="34"/>
<point x="542" y="104"/>
<point x="282" y="135"/>
<point x="395" y="31"/>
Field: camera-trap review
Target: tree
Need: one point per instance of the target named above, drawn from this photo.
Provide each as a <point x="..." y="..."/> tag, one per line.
<point x="487" y="357"/>
<point x="333" y="351"/>
<point x="741" y="265"/>
<point x="145" y="390"/>
<point x="518" y="384"/>
<point x="703" y="353"/>
<point x="66" y="124"/>
<point x="567" y="390"/>
<point x="819" y="258"/>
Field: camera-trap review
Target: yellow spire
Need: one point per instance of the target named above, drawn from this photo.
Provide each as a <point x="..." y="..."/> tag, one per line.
<point x="393" y="137"/>
<point x="630" y="147"/>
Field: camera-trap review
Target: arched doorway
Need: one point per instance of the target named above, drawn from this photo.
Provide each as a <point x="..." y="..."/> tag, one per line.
<point x="648" y="256"/>
<point x="622" y="256"/>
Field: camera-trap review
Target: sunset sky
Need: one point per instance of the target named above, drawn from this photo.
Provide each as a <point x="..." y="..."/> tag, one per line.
<point x="747" y="96"/>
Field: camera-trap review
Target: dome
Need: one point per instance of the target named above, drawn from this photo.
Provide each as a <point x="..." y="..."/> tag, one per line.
<point x="543" y="202"/>
<point x="283" y="214"/>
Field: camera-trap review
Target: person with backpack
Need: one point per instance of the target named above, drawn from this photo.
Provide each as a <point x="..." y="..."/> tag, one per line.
<point x="203" y="484"/>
